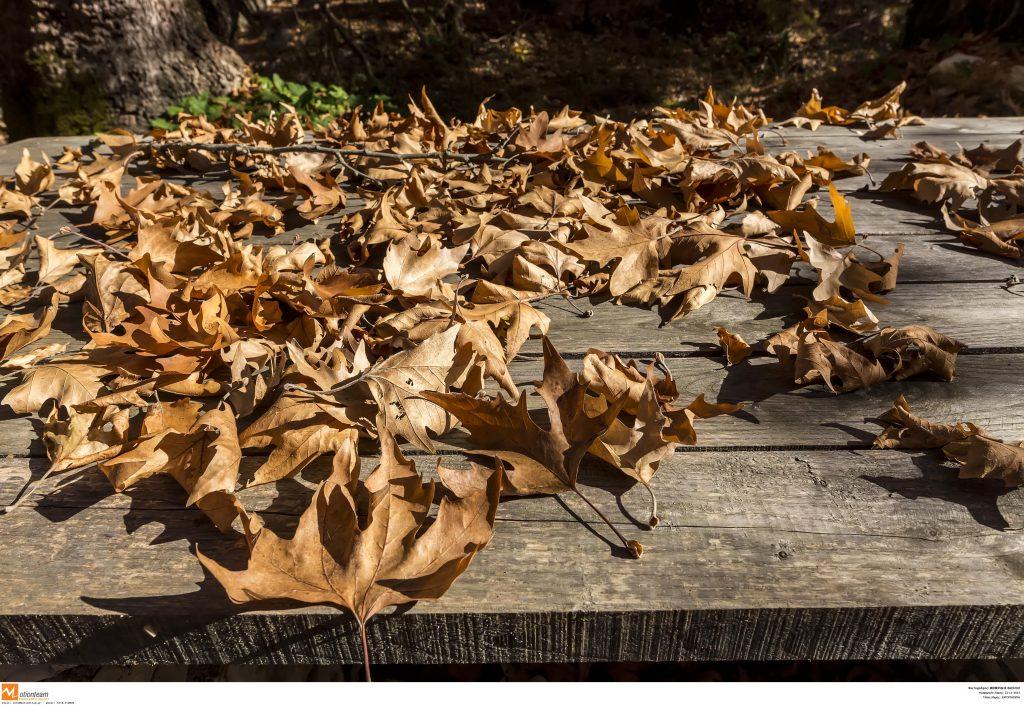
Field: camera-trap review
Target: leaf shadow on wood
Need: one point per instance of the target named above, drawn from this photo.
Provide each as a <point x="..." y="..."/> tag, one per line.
<point x="901" y="208"/>
<point x="615" y="549"/>
<point x="162" y="623"/>
<point x="939" y="481"/>
<point x="955" y="245"/>
<point x="154" y="620"/>
<point x="593" y="473"/>
<point x="36" y="470"/>
<point x="76" y="491"/>
<point x="601" y="476"/>
<point x="747" y="383"/>
<point x="861" y="436"/>
<point x="36" y="448"/>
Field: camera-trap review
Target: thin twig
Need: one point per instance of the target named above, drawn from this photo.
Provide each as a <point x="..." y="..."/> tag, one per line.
<point x="347" y="36"/>
<point x="508" y="139"/>
<point x="237" y="148"/>
<point x="72" y="230"/>
<point x="413" y="21"/>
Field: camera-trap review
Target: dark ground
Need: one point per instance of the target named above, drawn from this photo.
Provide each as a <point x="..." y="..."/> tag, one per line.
<point x="621" y="58"/>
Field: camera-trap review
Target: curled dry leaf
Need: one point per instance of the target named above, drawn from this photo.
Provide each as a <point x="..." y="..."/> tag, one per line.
<point x="538" y="460"/>
<point x="648" y="427"/>
<point x="199" y="450"/>
<point x="736" y="349"/>
<point x="978" y="454"/>
<point x="28" y="359"/>
<point x="936" y="182"/>
<point x="893" y="353"/>
<point x="1004" y="238"/>
<point x="18" y="330"/>
<point x="910" y="431"/>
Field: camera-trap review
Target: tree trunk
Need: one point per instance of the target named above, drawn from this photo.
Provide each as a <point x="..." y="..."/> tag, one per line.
<point x="78" y="66"/>
<point x="931" y="19"/>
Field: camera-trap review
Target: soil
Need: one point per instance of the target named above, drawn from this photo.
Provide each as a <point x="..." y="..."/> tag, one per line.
<point x="621" y="59"/>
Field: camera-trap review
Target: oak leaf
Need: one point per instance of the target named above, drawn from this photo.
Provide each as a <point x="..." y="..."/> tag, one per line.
<point x="907" y="430"/>
<point x="978" y="454"/>
<point x="736" y="349"/>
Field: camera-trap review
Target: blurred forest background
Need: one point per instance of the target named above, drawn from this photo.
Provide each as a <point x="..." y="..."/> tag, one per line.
<point x="80" y="66"/>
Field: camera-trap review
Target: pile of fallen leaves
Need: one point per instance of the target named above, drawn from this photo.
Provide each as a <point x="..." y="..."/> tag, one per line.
<point x="209" y="338"/>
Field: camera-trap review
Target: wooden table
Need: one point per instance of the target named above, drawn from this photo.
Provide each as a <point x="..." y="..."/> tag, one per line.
<point x="783" y="534"/>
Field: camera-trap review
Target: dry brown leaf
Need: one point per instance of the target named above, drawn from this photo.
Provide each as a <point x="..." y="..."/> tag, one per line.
<point x="301" y="428"/>
<point x="983" y="457"/>
<point x="20" y="329"/>
<point x="1004" y="238"/>
<point x="365" y="545"/>
<point x="67" y="383"/>
<point x="978" y="454"/>
<point x="199" y="450"/>
<point x="539" y="460"/>
<point x="892" y="353"/>
<point x="936" y="181"/>
<point x="839" y="233"/>
<point x="907" y="430"/>
<point x="735" y="348"/>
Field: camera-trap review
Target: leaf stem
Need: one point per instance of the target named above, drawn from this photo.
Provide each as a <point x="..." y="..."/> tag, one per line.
<point x="366" y="651"/>
<point x="632" y="546"/>
<point x="654" y="520"/>
<point x="579" y="311"/>
<point x="870" y="249"/>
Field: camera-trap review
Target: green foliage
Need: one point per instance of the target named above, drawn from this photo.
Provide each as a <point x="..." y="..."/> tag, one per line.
<point x="316" y="102"/>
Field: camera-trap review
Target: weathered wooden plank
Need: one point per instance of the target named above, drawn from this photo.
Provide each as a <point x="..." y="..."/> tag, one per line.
<point x="989" y="390"/>
<point x="820" y="545"/>
<point x="821" y="492"/>
<point x="766" y="554"/>
<point x="928" y="258"/>
<point x="959" y="632"/>
<point x="981" y="315"/>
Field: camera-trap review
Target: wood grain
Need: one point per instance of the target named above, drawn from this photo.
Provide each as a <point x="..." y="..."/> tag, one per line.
<point x="982" y="315"/>
<point x="988" y="390"/>
<point x="815" y="546"/>
<point x="783" y="535"/>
